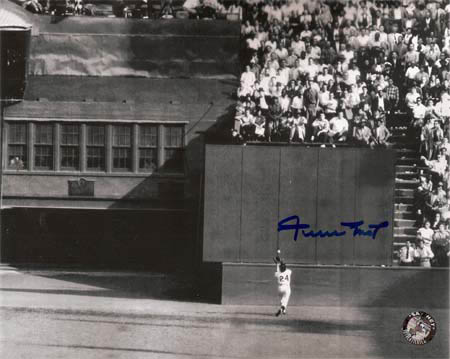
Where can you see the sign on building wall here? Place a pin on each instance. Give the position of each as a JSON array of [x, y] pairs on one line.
[[81, 187]]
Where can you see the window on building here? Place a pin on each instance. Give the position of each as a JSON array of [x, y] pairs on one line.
[[43, 146], [70, 147], [121, 147], [17, 145], [173, 148], [156, 146], [95, 147], [148, 148]]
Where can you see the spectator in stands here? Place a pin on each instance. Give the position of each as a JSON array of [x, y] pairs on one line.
[[442, 111], [311, 100], [321, 127], [411, 98], [441, 247], [437, 167], [338, 128], [422, 196], [260, 125], [57, 7], [297, 125], [445, 146], [362, 134], [392, 97], [191, 7], [235, 9], [412, 72], [248, 80], [425, 181], [248, 125], [330, 106], [274, 117], [364, 65], [201, 9], [426, 137], [423, 253], [426, 233], [381, 135], [167, 10], [438, 137], [436, 221], [33, 6], [406, 254], [439, 199], [78, 7]]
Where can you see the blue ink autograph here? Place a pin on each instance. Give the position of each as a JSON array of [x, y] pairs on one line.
[[293, 223]]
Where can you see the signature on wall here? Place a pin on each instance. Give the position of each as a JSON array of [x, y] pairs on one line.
[[292, 223]]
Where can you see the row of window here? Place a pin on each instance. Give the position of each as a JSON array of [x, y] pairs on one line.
[[94, 147]]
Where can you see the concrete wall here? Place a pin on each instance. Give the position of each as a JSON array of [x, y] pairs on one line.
[[340, 286], [114, 188]]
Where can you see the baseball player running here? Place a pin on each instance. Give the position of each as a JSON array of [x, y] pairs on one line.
[[283, 276]]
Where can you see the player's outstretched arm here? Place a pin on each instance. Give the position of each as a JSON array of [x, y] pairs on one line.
[[277, 260]]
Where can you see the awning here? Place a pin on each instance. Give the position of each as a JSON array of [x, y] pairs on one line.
[[103, 112]]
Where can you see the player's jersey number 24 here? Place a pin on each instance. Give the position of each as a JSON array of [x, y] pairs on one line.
[[284, 278]]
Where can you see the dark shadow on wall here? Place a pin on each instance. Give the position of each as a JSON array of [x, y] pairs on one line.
[[220, 131], [156, 227], [177, 232], [157, 224]]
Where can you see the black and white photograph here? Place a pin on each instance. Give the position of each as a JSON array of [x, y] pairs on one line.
[[224, 179]]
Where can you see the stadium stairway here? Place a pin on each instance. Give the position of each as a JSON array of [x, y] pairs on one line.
[[406, 181]]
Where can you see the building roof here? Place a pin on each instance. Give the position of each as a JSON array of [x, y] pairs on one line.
[[122, 99], [104, 112], [138, 90]]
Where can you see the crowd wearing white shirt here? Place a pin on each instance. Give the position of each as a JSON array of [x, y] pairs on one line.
[[361, 62]]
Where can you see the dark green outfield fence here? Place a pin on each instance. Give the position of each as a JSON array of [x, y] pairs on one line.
[[249, 189]]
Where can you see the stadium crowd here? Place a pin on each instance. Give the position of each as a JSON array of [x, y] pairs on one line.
[[343, 72], [432, 208], [164, 9], [336, 72]]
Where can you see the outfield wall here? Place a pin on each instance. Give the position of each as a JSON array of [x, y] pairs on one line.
[[338, 286], [249, 189]]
